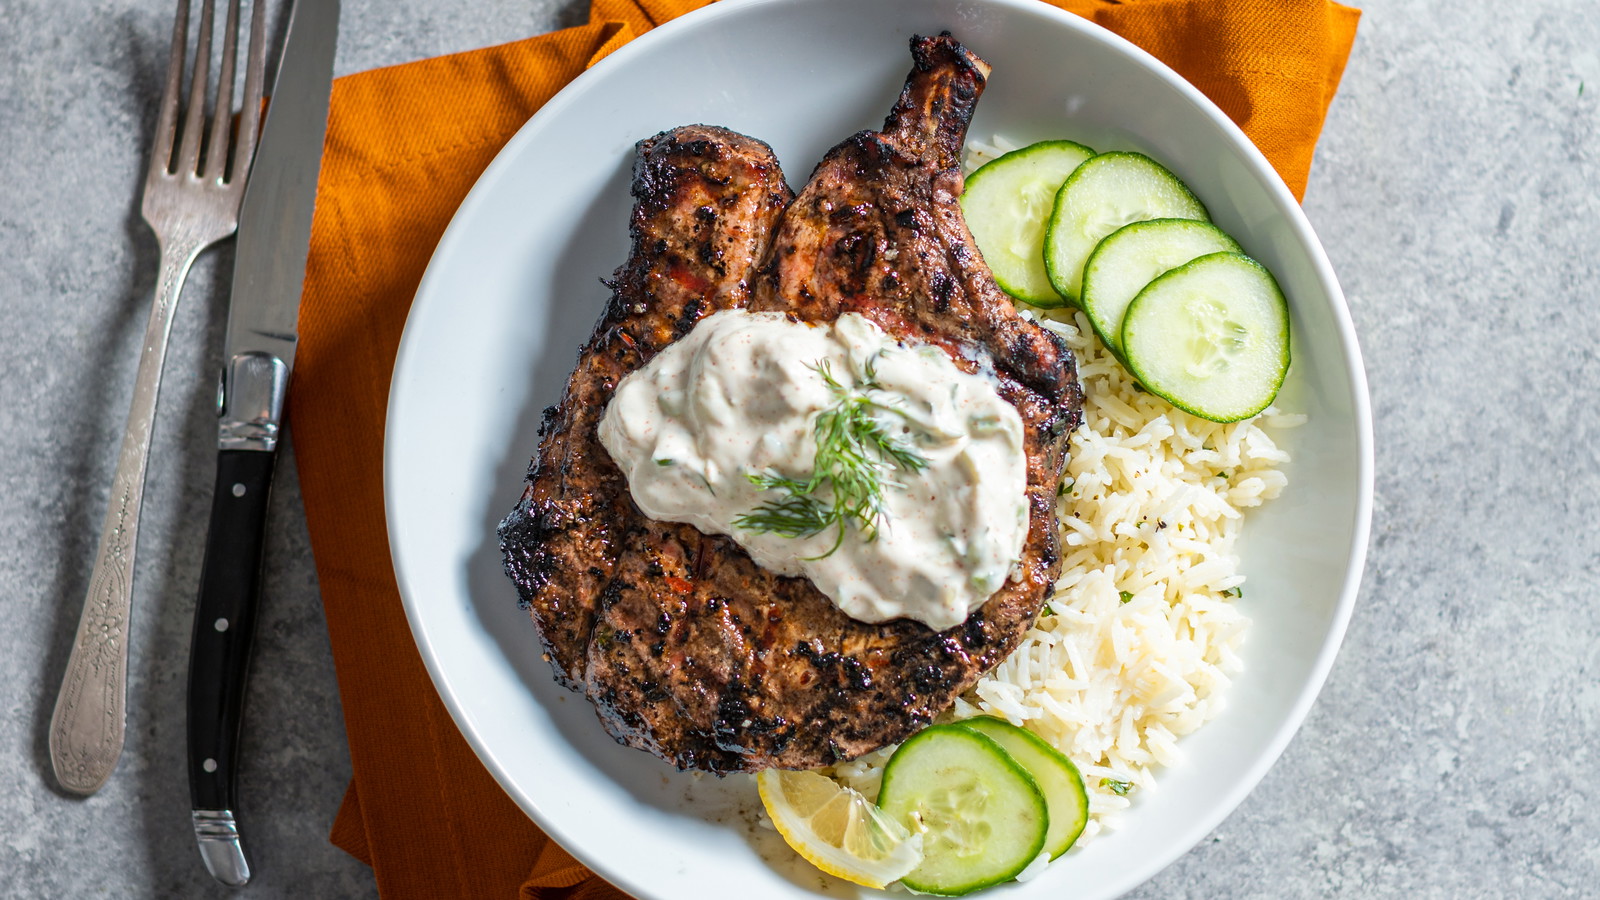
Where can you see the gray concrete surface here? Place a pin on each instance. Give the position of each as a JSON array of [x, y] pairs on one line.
[[1450, 755]]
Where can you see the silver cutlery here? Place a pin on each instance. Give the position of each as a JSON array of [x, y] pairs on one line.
[[192, 193], [269, 266]]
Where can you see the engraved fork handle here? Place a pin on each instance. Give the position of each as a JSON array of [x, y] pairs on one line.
[[86, 729]]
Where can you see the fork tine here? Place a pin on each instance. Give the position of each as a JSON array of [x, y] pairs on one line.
[[222, 110], [167, 119], [255, 76], [189, 153]]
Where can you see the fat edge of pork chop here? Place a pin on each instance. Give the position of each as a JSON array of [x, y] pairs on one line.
[[709, 661], [705, 202]]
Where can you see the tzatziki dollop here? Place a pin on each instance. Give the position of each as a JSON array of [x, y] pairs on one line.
[[722, 426]]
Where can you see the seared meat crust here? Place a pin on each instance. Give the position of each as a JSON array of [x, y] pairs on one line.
[[705, 202], [693, 652]]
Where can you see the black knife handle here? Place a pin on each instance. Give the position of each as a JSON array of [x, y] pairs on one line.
[[224, 622]]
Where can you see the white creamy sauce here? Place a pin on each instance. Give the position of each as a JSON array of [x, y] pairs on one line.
[[740, 395]]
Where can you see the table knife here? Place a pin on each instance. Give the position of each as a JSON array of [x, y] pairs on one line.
[[269, 267]]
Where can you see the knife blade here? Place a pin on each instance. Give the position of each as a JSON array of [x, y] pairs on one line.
[[258, 357]]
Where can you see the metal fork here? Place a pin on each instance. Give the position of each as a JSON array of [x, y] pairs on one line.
[[191, 201]]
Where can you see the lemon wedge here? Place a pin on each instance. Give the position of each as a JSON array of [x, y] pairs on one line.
[[835, 829]]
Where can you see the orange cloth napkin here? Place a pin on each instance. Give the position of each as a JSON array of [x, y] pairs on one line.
[[404, 146]]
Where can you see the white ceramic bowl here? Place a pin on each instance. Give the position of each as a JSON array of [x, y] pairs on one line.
[[514, 288]]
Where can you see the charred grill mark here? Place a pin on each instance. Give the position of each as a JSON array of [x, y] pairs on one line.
[[547, 420], [845, 671], [711, 258], [855, 252], [927, 678], [610, 594], [940, 288], [1024, 353], [974, 636], [686, 321]]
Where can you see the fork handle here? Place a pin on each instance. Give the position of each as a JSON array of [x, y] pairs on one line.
[[87, 726]]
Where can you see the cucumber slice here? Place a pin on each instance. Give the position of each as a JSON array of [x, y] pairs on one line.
[[1131, 257], [1006, 203], [1057, 777], [1102, 195], [981, 814], [1211, 337]]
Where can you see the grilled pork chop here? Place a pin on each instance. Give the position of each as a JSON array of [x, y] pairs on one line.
[[687, 648], [705, 203]]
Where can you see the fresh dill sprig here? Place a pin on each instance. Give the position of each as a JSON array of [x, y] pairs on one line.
[[856, 458], [792, 516]]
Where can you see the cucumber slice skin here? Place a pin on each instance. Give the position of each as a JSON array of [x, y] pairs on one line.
[[1057, 777], [1151, 333], [1091, 204], [948, 758], [1135, 255], [1006, 204]]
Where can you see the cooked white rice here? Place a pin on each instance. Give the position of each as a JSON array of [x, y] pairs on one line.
[[980, 152], [1136, 646]]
